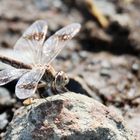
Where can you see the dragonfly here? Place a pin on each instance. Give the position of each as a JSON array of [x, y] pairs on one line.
[[40, 51]]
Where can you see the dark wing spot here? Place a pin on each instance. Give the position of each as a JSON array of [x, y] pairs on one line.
[[28, 86], [4, 79], [64, 37], [35, 36]]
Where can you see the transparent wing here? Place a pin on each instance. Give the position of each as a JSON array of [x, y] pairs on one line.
[[27, 84], [9, 75], [54, 44], [31, 41]]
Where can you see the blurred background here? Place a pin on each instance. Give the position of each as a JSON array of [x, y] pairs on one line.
[[102, 61]]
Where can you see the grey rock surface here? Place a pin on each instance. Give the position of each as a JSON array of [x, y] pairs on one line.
[[5, 97], [3, 120], [67, 116]]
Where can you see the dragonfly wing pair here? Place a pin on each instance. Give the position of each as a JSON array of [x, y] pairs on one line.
[[31, 42], [9, 75], [27, 84], [54, 44]]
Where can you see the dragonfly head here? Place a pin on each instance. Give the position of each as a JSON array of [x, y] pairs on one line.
[[61, 79]]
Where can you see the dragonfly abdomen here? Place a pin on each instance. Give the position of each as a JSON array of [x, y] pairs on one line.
[[14, 63]]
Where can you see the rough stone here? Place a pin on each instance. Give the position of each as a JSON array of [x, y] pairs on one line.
[[5, 97], [3, 120], [68, 116]]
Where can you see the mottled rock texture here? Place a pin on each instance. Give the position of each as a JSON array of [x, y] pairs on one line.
[[68, 116]]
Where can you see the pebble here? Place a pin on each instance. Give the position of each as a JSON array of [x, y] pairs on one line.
[[5, 98], [3, 120]]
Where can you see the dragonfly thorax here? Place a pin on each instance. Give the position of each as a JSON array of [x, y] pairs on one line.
[[59, 79], [49, 75]]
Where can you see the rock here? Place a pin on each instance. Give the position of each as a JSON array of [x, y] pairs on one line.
[[3, 121], [132, 116], [5, 98], [68, 116]]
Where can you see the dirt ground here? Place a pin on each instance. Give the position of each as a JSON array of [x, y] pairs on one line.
[[102, 61]]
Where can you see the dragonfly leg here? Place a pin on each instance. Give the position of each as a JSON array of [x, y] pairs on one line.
[[59, 89], [42, 84], [54, 88]]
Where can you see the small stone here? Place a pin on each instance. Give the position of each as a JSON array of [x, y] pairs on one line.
[[83, 54], [135, 67], [105, 72], [106, 64], [5, 98], [3, 121]]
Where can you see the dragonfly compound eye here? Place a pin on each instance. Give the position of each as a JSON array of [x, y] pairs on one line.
[[66, 79], [61, 79]]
